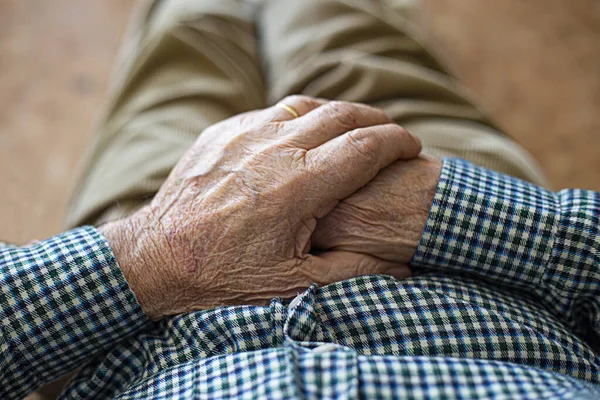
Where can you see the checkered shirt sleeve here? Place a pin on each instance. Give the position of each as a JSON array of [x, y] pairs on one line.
[[62, 301], [520, 236]]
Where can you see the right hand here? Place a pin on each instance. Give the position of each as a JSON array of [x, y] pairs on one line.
[[233, 222], [387, 217]]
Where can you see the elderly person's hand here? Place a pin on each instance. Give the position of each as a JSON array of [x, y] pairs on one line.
[[233, 222], [385, 218]]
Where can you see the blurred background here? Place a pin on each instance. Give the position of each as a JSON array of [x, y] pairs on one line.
[[534, 65]]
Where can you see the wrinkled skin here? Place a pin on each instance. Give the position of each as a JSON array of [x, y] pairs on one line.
[[233, 222], [385, 218]]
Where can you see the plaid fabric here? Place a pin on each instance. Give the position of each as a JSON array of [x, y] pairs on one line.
[[504, 291], [62, 301], [519, 236], [267, 375]]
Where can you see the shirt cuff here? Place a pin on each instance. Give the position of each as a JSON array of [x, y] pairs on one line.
[[490, 225], [62, 301]]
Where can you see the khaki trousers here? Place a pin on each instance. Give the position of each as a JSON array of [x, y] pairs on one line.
[[188, 64]]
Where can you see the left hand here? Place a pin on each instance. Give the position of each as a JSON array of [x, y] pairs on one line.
[[385, 218]]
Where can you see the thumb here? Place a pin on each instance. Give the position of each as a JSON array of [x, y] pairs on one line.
[[335, 266]]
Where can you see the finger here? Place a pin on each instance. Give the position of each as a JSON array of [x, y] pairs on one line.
[[347, 235], [331, 120], [335, 266], [286, 109], [350, 161]]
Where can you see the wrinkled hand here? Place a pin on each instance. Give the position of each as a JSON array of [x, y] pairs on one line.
[[386, 218], [233, 222]]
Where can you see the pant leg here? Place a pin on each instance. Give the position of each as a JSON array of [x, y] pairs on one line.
[[185, 65], [369, 51]]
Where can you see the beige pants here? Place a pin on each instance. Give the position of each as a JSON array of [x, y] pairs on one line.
[[190, 63]]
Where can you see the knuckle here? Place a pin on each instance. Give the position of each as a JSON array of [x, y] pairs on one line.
[[276, 128], [301, 101], [409, 144], [296, 98], [367, 145], [298, 159], [401, 132], [343, 113]]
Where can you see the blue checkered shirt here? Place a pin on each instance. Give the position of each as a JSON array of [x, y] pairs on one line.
[[503, 304]]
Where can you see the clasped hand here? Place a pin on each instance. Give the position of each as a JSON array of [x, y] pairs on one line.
[[234, 222]]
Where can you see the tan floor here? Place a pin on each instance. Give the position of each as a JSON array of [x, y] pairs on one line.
[[55, 58], [534, 64]]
